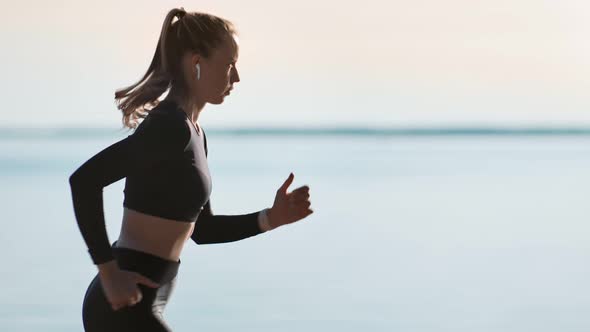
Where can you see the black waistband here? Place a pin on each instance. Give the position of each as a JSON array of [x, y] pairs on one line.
[[155, 268]]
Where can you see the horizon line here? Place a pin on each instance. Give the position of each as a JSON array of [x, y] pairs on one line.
[[81, 132]]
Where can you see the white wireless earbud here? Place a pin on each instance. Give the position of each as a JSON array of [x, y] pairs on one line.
[[198, 71]]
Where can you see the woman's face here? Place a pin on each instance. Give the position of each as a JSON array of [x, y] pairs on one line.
[[218, 73]]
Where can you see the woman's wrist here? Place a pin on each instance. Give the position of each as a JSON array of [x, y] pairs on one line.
[[264, 220]]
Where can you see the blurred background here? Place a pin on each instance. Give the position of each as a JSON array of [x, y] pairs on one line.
[[446, 145]]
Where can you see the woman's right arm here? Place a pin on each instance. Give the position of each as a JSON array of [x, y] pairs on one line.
[[156, 139], [152, 142], [87, 183]]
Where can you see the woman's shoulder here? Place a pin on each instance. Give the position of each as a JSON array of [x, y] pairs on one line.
[[168, 111], [165, 122]]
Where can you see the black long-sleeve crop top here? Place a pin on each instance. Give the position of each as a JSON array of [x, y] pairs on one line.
[[165, 165]]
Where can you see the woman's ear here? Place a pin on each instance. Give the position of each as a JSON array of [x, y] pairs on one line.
[[195, 58]]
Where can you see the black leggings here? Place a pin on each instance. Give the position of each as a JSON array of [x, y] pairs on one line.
[[146, 315]]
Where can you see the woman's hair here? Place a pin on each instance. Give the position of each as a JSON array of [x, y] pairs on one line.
[[192, 31]]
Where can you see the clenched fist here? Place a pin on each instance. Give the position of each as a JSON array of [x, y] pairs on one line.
[[289, 207]]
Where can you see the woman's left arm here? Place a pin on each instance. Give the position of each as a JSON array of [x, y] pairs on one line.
[[287, 208], [210, 228]]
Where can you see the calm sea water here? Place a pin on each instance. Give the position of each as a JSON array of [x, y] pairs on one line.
[[410, 233]]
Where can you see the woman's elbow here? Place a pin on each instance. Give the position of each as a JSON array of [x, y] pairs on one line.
[[80, 182], [198, 239], [196, 236], [75, 179]]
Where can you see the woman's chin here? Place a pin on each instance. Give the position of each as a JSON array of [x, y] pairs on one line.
[[218, 100]]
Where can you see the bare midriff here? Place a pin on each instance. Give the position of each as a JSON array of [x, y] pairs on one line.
[[158, 236]]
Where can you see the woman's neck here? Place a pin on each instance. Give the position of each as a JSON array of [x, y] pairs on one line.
[[190, 106]]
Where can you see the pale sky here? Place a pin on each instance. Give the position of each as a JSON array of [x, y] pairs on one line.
[[313, 63]]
